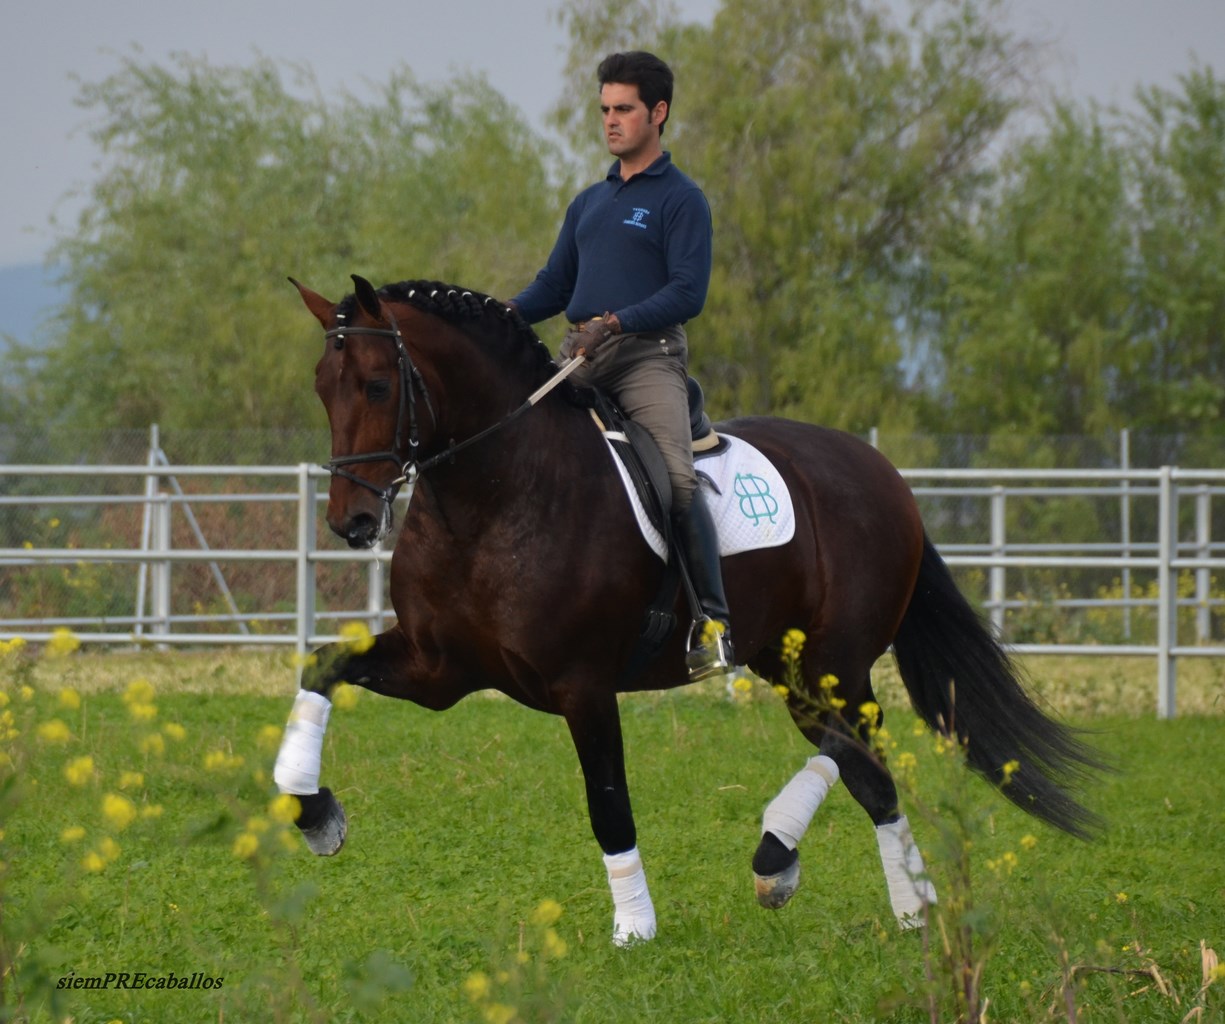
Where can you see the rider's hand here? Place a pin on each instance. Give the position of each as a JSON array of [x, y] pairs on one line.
[[593, 334]]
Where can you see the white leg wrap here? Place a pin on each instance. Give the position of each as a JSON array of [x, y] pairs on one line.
[[297, 762], [633, 912], [910, 890], [790, 813]]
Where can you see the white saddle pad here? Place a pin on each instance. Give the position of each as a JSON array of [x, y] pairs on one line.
[[747, 497]]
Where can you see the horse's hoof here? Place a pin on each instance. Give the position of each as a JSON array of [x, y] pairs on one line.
[[776, 871], [773, 891], [323, 823]]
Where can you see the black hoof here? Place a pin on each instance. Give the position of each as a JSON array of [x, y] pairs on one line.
[[322, 822], [776, 872]]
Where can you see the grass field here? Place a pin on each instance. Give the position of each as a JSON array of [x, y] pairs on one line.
[[164, 855]]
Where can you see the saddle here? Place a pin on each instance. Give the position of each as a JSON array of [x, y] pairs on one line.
[[649, 475]]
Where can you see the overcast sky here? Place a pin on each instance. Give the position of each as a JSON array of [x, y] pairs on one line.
[[1100, 49]]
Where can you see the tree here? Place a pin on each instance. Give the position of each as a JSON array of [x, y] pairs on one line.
[[1088, 292], [1032, 299], [1175, 364], [220, 182]]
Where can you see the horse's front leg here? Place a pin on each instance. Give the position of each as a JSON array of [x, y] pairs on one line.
[[298, 763], [595, 726]]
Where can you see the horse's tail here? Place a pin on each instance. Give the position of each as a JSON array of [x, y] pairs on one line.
[[962, 682]]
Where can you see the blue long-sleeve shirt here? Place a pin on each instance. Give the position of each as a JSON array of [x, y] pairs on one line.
[[639, 248]]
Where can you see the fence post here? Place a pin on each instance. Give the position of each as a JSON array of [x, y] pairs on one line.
[[1125, 527], [305, 602], [999, 548], [146, 529], [162, 544], [1167, 593], [374, 597], [1203, 576]]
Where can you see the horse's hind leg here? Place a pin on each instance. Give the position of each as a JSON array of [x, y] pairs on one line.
[[844, 753], [868, 780]]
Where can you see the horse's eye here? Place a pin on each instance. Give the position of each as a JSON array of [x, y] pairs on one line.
[[377, 390]]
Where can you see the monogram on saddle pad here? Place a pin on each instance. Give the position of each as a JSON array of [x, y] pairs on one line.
[[748, 498]]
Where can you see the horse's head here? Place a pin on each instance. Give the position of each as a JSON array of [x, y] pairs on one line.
[[364, 380]]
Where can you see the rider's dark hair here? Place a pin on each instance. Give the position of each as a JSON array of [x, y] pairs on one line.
[[637, 67]]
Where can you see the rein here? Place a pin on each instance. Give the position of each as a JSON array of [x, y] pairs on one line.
[[410, 381]]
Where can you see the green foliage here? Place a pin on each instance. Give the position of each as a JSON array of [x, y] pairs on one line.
[[885, 254], [1087, 293], [469, 844], [218, 182]]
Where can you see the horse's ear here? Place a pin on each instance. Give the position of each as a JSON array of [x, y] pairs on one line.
[[367, 297], [316, 303]]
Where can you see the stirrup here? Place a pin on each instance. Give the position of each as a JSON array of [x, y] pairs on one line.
[[712, 656]]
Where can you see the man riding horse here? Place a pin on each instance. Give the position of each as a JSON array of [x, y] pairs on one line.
[[630, 266]]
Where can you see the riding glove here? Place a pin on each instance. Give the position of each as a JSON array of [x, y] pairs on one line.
[[590, 336]]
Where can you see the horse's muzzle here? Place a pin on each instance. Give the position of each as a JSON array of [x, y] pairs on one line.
[[360, 531]]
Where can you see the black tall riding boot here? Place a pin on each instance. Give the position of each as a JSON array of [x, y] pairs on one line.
[[711, 654]]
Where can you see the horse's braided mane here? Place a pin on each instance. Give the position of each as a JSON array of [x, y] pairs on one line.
[[465, 308]]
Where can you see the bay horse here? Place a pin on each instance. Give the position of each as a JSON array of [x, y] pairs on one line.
[[519, 568]]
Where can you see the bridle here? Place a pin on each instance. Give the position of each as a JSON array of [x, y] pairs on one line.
[[411, 381]]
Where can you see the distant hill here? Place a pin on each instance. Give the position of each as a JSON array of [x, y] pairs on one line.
[[27, 295]]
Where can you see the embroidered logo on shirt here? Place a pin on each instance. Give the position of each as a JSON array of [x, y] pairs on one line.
[[636, 221]]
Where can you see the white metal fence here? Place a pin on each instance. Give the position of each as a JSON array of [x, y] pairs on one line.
[[1149, 512]]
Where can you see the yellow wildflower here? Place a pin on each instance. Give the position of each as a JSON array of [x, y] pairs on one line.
[[1120, 897], [79, 771], [906, 761], [118, 810], [222, 762], [27, 693], [1028, 842], [1008, 770], [344, 697], [139, 691], [246, 845], [284, 809], [828, 682], [151, 811], [269, 737], [93, 862], [69, 699], [554, 944], [72, 834], [63, 642], [356, 637], [11, 647], [131, 780], [498, 1013], [109, 849], [174, 731], [782, 691], [54, 731], [476, 986], [142, 712], [869, 713], [153, 744], [547, 912], [793, 644], [742, 685]]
